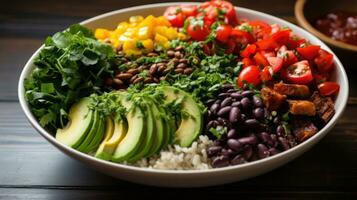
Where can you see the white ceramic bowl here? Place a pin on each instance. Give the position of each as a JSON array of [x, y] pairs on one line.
[[189, 178]]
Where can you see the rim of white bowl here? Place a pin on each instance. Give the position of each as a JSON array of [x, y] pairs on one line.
[[343, 93]]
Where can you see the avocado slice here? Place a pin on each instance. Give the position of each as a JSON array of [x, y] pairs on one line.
[[115, 132], [135, 134], [147, 141], [76, 130], [190, 125], [98, 136], [85, 145], [159, 127]]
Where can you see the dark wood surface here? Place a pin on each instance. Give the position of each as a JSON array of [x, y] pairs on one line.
[[30, 168]]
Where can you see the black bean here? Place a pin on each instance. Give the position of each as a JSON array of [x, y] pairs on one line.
[[273, 151], [224, 111], [234, 115], [276, 120], [233, 133], [230, 90], [209, 102], [234, 144], [211, 124], [247, 152], [227, 152], [280, 130], [214, 108], [218, 101], [213, 150], [237, 95], [236, 104], [223, 95], [262, 151], [274, 140], [245, 103], [238, 159], [258, 113], [226, 102], [284, 143], [243, 117], [217, 143], [252, 123], [248, 140], [264, 137], [220, 161], [258, 102], [209, 114], [221, 121], [226, 87], [247, 93]]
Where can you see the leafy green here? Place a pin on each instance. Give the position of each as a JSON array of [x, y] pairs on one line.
[[72, 65], [108, 104], [218, 131]]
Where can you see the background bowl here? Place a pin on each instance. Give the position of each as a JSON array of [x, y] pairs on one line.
[[188, 178], [307, 11]]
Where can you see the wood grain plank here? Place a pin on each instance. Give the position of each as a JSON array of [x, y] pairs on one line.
[[24, 154], [40, 18], [159, 193]]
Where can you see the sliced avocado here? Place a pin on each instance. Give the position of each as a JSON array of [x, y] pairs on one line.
[[147, 141], [98, 136], [85, 145], [136, 132], [190, 125], [81, 120], [159, 127], [115, 132], [109, 129]]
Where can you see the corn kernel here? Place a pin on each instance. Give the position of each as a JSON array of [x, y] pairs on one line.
[[162, 21], [160, 39], [136, 19], [145, 32], [121, 28], [101, 33], [148, 45]]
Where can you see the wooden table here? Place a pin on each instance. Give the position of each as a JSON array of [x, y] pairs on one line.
[[30, 168]]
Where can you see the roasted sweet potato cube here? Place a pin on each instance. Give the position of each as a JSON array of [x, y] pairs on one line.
[[272, 99], [302, 107], [292, 90]]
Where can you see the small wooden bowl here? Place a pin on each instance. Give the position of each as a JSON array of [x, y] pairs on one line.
[[306, 12]]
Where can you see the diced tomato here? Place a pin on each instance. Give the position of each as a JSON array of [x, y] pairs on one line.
[[242, 36], [309, 52], [197, 30], [328, 88], [276, 63], [248, 51], [267, 44], [274, 28], [320, 78], [175, 16], [266, 28], [218, 8], [260, 60], [268, 54], [288, 56], [247, 62], [249, 75], [230, 46], [295, 42], [281, 37], [189, 10], [223, 33], [324, 61], [298, 73], [266, 74]]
